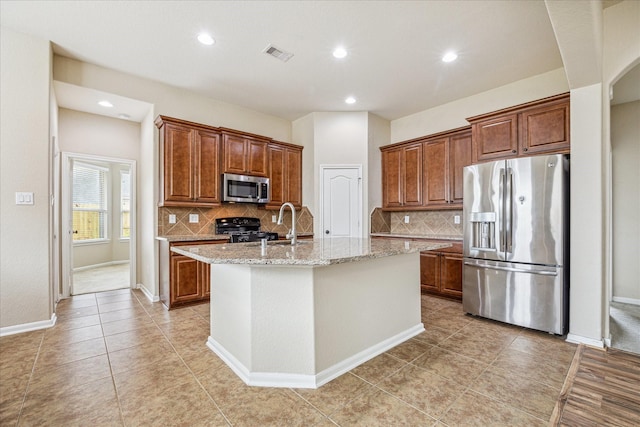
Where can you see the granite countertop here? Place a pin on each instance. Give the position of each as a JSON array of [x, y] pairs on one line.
[[419, 236], [315, 252], [194, 238], [200, 237]]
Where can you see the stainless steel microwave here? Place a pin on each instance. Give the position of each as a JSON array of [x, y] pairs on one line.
[[245, 188]]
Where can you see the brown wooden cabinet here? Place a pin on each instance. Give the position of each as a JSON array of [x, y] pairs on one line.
[[189, 164], [285, 175], [444, 159], [402, 176], [183, 280], [441, 271], [537, 127], [244, 155], [426, 173]]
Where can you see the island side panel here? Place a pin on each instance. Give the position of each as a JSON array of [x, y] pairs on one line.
[[230, 307], [359, 306], [282, 321]]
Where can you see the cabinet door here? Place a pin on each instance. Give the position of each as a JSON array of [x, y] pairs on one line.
[[207, 178], [184, 279], [293, 183], [277, 166], [178, 164], [411, 171], [234, 154], [392, 178], [545, 129], [257, 157], [451, 274], [495, 138], [430, 271], [459, 157], [436, 166], [204, 278]]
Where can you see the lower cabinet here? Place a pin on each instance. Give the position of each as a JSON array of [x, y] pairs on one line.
[[183, 280], [441, 271]]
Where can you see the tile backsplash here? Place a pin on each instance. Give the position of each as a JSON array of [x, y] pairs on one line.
[[207, 219], [420, 222]]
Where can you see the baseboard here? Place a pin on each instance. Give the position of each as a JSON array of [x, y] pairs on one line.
[[279, 379], [624, 300], [577, 339], [104, 264], [27, 327], [149, 295]]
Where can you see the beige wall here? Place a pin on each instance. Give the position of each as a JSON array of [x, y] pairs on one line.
[[454, 114], [96, 135], [625, 145], [25, 291], [379, 135]]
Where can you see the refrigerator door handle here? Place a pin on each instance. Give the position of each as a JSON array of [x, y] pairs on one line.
[[513, 269], [501, 211], [508, 210]]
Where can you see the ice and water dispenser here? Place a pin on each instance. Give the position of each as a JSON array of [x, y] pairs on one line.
[[483, 227]]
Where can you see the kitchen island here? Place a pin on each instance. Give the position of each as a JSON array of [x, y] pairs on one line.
[[299, 316]]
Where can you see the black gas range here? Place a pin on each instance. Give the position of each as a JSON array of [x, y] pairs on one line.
[[243, 229]]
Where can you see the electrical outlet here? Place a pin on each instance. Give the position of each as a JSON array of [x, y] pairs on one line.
[[406, 219], [274, 218], [456, 219], [172, 219], [194, 218]]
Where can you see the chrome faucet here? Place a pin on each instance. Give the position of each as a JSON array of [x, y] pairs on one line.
[[292, 232]]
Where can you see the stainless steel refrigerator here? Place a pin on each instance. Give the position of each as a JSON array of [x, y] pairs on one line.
[[516, 235]]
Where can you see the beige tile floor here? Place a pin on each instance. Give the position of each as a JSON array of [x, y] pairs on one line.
[[114, 358]]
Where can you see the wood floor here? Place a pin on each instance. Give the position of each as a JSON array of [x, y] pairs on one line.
[[602, 389]]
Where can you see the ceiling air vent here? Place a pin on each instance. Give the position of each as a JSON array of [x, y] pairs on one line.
[[277, 53]]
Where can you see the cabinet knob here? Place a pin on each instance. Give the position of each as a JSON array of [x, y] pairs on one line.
[[513, 151], [326, 231], [526, 149]]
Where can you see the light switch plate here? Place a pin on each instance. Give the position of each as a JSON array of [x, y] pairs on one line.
[[274, 218], [24, 198], [172, 219], [406, 219], [193, 218], [456, 219]]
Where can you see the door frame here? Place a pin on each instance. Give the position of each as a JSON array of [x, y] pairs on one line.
[[66, 186], [326, 167]]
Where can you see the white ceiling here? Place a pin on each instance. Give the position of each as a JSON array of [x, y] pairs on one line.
[[393, 67]]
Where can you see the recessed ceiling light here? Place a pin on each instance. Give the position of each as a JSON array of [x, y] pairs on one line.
[[124, 116], [105, 103], [350, 100], [340, 52], [206, 39], [449, 57]]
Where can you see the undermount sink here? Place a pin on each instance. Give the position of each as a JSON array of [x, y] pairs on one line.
[[280, 243]]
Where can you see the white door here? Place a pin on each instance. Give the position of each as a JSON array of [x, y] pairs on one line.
[[341, 202]]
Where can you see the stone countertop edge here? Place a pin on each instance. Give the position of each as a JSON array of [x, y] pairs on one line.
[[419, 236], [308, 253]]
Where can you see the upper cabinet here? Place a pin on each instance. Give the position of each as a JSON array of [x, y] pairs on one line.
[[425, 173], [445, 157], [537, 127], [194, 157], [244, 155], [402, 176], [285, 174], [189, 163]]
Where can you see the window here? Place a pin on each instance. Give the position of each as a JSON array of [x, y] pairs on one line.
[[125, 204], [89, 202]]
